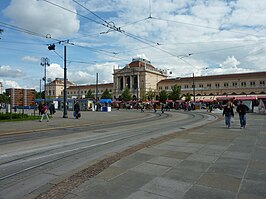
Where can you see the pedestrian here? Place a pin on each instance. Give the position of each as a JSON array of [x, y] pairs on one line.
[[44, 112], [228, 112], [242, 110], [76, 110], [154, 108], [40, 108]]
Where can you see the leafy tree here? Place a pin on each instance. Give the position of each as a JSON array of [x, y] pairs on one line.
[[126, 95], [38, 95], [163, 95], [175, 94], [89, 94], [4, 98], [106, 95], [150, 94], [187, 97]]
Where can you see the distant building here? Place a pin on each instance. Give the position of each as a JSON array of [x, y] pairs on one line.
[[207, 87], [55, 88], [80, 91], [21, 97], [139, 76]]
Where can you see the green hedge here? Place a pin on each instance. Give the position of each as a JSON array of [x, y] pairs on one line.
[[16, 116]]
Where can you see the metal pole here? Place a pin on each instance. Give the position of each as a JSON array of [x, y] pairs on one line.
[[45, 62], [97, 86], [65, 85], [193, 88]]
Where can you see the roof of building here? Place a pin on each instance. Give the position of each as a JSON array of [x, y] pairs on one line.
[[90, 86], [218, 77]]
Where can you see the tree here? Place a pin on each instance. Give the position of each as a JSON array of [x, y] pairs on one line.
[[89, 94], [150, 94], [106, 95], [4, 98], [175, 94], [38, 95], [126, 95], [163, 95], [187, 97]]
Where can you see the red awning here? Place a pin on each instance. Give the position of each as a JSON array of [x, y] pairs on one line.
[[262, 97], [246, 98], [207, 100], [180, 101], [169, 100], [224, 98]]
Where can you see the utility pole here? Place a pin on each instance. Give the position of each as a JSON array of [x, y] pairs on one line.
[[44, 62], [193, 85], [97, 80], [65, 85]]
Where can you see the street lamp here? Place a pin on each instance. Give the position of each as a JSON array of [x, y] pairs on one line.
[[44, 62], [193, 86]]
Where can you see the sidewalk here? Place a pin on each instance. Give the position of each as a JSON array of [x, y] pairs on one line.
[[209, 162]]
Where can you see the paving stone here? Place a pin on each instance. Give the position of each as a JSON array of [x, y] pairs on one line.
[[151, 169], [219, 181], [203, 158], [249, 196], [215, 150], [165, 161], [255, 164], [259, 154], [238, 155], [177, 155], [252, 187], [144, 195], [202, 192], [256, 174], [183, 174], [193, 165], [167, 187], [110, 172], [133, 160], [229, 166], [152, 151], [237, 148]]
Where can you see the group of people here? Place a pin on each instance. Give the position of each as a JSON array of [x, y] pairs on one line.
[[241, 109]]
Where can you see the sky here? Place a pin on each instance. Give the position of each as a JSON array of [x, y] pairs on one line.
[[204, 37]]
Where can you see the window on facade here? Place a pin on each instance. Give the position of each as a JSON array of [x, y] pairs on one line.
[[252, 83], [81, 92], [71, 93], [234, 84], [262, 82], [186, 86], [201, 85], [166, 88], [225, 84], [85, 92], [110, 90], [160, 88], [243, 84], [217, 85], [209, 85]]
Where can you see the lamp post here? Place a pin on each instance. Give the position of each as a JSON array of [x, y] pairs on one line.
[[65, 85], [193, 86], [44, 62]]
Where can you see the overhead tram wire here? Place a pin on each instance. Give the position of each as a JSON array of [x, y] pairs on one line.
[[208, 27]]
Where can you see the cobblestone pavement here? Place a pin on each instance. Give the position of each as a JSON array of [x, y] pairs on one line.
[[210, 162]]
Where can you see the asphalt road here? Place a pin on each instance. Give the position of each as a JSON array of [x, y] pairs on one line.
[[31, 161]]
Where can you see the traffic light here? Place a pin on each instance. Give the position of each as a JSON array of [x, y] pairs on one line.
[[51, 47]]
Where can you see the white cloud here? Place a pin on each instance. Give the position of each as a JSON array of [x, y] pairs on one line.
[[44, 18], [54, 71], [7, 71], [11, 84], [30, 59], [230, 62]]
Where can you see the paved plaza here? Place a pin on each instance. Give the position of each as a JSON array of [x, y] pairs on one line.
[[208, 162]]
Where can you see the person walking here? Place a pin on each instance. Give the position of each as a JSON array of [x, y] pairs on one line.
[[44, 112], [228, 112], [76, 110], [242, 110]]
